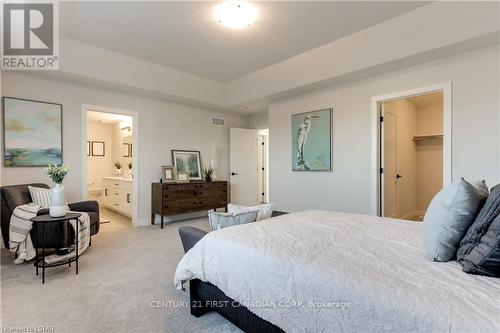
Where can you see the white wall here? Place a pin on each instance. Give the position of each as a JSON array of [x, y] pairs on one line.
[[475, 138], [162, 126], [430, 119], [99, 166], [258, 121]]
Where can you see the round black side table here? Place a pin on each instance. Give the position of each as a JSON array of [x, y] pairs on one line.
[[41, 220]]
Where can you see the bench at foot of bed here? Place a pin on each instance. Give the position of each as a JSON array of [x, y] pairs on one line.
[[206, 297]]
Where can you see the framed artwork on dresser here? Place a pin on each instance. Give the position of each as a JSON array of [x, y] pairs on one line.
[[183, 177], [168, 174], [188, 161]]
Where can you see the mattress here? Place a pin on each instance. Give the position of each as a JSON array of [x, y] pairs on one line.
[[317, 271]]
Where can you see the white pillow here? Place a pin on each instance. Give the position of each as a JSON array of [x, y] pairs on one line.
[[222, 220], [40, 196], [265, 210], [448, 217]]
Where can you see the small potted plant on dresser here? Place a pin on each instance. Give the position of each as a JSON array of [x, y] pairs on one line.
[[209, 173]]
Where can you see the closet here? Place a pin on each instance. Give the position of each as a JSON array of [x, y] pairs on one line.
[[412, 154]]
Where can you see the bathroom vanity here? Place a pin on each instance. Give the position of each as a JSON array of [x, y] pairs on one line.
[[117, 194]]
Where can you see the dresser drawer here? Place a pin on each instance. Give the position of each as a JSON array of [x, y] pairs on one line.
[[186, 206], [194, 194]]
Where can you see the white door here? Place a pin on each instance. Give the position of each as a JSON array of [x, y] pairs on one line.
[[262, 168], [390, 165], [243, 166]]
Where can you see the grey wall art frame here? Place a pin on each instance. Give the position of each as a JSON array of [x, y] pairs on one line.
[[188, 161], [32, 133], [312, 140], [168, 174]]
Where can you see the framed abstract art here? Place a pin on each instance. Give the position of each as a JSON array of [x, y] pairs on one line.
[[188, 161], [32, 133]]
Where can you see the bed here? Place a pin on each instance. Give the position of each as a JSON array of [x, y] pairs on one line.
[[317, 271]]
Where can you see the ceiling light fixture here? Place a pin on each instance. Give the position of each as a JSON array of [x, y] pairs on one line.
[[236, 14]]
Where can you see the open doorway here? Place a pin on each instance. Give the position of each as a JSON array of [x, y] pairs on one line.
[[412, 154], [414, 150], [248, 159], [110, 168]]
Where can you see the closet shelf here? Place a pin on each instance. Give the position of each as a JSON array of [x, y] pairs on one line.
[[427, 136]]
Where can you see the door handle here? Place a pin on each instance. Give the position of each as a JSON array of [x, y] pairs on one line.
[[234, 174], [398, 176]]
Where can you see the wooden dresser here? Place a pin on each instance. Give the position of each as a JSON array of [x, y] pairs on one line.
[[171, 199]]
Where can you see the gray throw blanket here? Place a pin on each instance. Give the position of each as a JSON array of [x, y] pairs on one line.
[[20, 240]]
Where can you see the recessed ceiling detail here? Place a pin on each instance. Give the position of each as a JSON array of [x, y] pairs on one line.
[[184, 35]]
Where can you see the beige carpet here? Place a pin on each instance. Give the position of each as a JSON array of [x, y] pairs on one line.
[[124, 272]]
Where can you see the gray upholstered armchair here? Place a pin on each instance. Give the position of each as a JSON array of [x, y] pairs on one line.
[[55, 234]]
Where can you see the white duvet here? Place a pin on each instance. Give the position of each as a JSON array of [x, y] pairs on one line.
[[318, 271]]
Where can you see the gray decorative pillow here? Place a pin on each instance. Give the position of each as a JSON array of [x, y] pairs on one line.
[[448, 217], [478, 229], [222, 220], [484, 258]]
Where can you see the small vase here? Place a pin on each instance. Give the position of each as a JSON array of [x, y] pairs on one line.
[[118, 172], [57, 202], [208, 178]]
